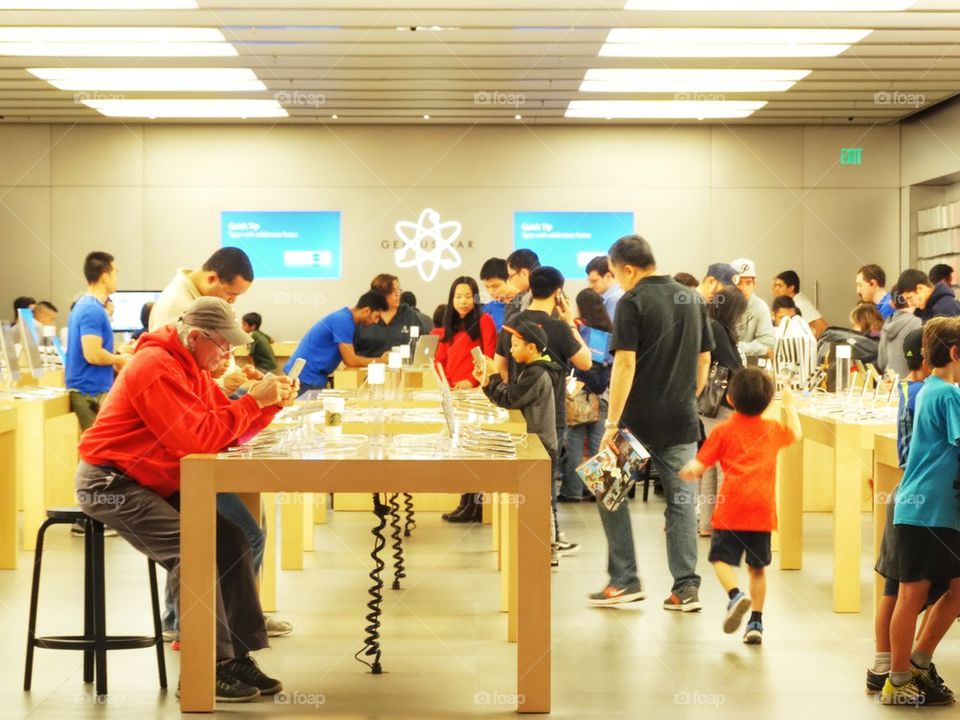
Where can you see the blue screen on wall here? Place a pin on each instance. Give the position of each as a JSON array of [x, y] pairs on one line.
[[568, 240], [286, 244]]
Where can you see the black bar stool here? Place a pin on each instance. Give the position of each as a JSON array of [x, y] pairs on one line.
[[94, 642]]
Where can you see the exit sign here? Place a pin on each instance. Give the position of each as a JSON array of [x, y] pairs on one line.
[[851, 156]]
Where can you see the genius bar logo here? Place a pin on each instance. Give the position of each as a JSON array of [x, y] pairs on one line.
[[428, 244]]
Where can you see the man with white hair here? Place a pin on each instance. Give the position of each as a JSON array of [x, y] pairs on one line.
[[755, 328]]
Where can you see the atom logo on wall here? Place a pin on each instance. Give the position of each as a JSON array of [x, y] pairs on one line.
[[428, 244]]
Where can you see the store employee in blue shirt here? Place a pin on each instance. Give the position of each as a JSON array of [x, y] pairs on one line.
[[331, 340], [870, 288], [91, 363], [601, 280]]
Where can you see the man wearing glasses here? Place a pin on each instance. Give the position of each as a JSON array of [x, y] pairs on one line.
[[164, 406]]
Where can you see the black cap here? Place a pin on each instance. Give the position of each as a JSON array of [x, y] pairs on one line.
[[913, 348], [529, 332]]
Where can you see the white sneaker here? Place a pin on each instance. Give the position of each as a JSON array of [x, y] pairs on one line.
[[276, 628]]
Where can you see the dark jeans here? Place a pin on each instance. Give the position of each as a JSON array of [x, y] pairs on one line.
[[152, 525]]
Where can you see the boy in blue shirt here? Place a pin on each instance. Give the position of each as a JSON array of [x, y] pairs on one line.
[[331, 340], [927, 525]]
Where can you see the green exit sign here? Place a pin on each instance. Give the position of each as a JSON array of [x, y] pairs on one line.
[[851, 156]]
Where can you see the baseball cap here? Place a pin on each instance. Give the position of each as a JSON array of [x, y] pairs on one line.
[[727, 274], [212, 313], [529, 332], [745, 267], [913, 348]]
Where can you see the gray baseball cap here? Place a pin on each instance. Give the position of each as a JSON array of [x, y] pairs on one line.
[[212, 313]]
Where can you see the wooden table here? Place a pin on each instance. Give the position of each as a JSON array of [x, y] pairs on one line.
[[528, 476], [847, 440], [886, 476], [8, 488]]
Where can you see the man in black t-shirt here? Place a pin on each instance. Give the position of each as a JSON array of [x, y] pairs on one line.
[[661, 344]]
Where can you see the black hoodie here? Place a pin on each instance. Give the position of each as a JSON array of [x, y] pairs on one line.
[[942, 303]]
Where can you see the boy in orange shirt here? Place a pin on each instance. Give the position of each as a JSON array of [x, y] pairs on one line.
[[746, 447]]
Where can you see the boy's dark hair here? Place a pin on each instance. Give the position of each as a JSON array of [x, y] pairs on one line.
[[253, 319], [600, 265], [494, 269], [751, 390], [228, 262], [875, 273], [939, 335], [374, 300], [910, 279], [95, 265], [408, 298], [145, 314], [523, 259], [790, 279], [913, 349], [632, 250], [686, 279], [438, 315], [785, 302], [940, 272], [22, 303], [47, 305], [544, 282]]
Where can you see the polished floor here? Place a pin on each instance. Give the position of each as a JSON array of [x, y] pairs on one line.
[[443, 648]]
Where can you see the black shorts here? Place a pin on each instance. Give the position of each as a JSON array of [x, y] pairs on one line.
[[728, 546], [928, 553]]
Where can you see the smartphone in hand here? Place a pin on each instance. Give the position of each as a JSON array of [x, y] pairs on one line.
[[297, 368]]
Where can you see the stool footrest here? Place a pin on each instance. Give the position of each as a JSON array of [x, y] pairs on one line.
[[79, 642]]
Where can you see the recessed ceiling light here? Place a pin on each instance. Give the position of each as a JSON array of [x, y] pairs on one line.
[[98, 5], [151, 79], [771, 5], [334, 117], [187, 108], [662, 109], [671, 80], [518, 117], [729, 42], [426, 117]]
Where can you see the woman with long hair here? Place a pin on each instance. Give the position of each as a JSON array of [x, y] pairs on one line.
[[465, 327], [394, 325], [592, 314], [724, 311]]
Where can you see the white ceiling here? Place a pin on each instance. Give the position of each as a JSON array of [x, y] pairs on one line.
[[321, 58]]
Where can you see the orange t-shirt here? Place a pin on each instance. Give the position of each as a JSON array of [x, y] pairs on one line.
[[746, 448]]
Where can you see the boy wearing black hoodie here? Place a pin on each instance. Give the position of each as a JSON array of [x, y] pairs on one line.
[[532, 392]]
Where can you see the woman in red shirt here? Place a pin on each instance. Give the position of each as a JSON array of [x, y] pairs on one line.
[[464, 328]]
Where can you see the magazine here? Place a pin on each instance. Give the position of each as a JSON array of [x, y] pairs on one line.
[[611, 475]]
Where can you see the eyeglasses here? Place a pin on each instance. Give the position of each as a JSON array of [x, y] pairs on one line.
[[221, 348]]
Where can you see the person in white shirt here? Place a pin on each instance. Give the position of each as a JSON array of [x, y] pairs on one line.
[[755, 328], [603, 283], [788, 283]]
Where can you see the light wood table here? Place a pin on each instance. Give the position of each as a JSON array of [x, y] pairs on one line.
[[848, 440], [8, 488], [202, 476], [886, 476]]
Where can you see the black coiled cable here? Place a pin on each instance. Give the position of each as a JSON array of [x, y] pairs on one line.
[[398, 570], [410, 523], [371, 643]]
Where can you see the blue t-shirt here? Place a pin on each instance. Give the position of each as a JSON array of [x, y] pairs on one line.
[[320, 347], [928, 494], [885, 308], [610, 299], [495, 309], [88, 317], [907, 392]]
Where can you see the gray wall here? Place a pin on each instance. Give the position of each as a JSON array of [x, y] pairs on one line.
[[152, 195]]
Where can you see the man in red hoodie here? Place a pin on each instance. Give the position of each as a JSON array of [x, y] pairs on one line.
[[164, 406]]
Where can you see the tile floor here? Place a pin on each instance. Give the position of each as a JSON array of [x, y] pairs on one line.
[[443, 648]]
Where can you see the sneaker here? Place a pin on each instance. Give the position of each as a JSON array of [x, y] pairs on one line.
[[554, 557], [613, 595], [247, 671], [875, 681], [753, 635], [687, 601], [169, 635], [77, 530], [276, 628], [931, 685], [736, 609], [909, 694], [567, 548], [230, 689]]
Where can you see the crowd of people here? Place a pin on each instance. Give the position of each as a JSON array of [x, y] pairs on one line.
[[634, 350]]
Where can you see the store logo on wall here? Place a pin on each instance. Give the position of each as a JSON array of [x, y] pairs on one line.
[[428, 244]]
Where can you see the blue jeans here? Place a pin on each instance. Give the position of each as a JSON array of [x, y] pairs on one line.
[[231, 507], [681, 519], [572, 486]]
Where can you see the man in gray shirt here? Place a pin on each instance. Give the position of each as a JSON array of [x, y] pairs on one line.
[[755, 328]]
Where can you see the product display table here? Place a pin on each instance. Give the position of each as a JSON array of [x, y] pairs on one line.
[[8, 487], [526, 475]]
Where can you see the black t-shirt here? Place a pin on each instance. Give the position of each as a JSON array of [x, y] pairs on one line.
[[375, 340], [665, 324], [561, 346]]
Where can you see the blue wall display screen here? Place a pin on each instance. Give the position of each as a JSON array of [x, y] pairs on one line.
[[286, 244], [568, 240]]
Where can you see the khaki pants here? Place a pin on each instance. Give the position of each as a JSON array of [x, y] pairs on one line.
[[86, 407]]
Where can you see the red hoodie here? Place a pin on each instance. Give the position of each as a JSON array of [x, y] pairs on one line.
[[163, 407]]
